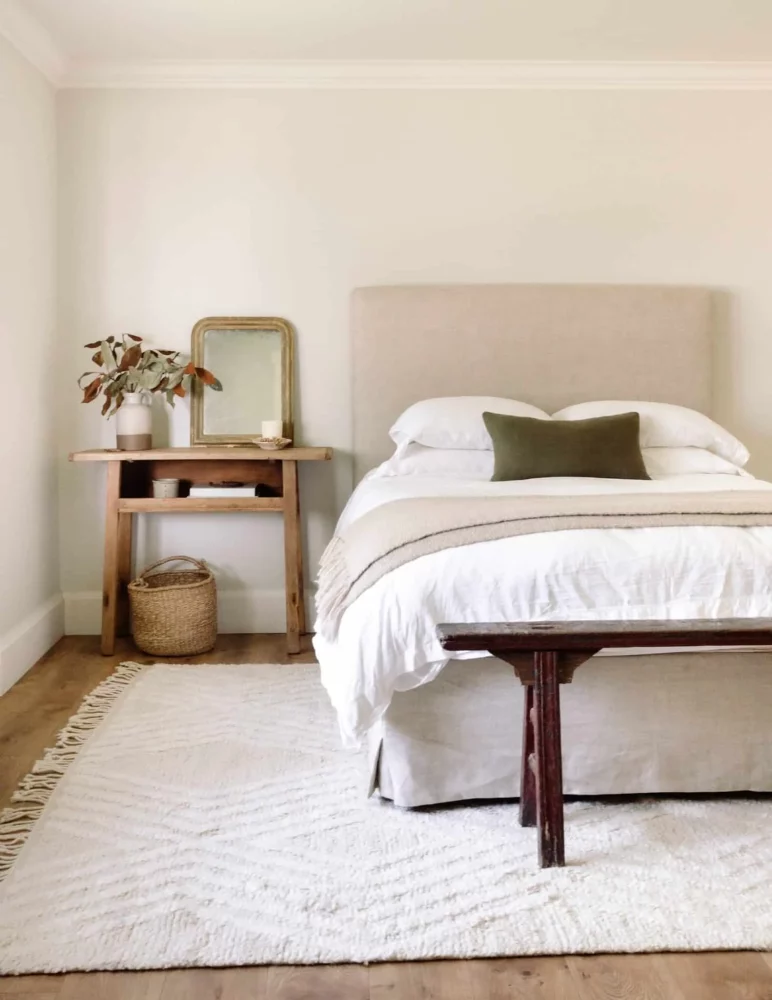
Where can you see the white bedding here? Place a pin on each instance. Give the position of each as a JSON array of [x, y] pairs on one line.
[[386, 641]]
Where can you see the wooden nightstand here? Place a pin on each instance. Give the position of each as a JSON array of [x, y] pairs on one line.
[[129, 491]]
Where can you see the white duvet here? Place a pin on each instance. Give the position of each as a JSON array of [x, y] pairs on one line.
[[386, 642]]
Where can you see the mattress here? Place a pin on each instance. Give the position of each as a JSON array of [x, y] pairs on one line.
[[678, 722]]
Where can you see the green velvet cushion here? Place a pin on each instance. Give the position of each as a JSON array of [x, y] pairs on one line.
[[601, 447]]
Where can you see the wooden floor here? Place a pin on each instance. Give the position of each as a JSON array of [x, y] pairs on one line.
[[38, 706]]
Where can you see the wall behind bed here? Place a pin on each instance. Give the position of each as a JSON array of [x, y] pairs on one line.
[[179, 204]]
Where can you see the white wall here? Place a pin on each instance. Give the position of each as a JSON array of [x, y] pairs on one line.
[[30, 601], [178, 205]]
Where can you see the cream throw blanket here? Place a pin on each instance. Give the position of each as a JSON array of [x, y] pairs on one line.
[[398, 532]]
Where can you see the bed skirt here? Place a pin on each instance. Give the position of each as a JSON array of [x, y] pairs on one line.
[[673, 722]]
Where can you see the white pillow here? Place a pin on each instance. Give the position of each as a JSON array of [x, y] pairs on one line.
[[444, 463], [455, 422], [663, 462], [665, 425]]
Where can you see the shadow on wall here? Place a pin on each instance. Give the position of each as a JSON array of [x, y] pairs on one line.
[[161, 426], [727, 396]]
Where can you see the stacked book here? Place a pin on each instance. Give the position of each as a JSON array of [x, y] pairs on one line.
[[225, 490]]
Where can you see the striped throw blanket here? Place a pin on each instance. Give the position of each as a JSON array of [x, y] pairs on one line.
[[398, 532]]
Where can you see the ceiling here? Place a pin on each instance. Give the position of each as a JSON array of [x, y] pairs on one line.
[[662, 30]]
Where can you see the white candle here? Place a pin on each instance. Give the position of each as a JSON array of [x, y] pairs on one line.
[[272, 428]]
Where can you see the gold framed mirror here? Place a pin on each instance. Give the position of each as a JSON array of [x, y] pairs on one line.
[[253, 359]]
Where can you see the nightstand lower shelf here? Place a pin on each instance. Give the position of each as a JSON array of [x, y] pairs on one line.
[[129, 485], [198, 505]]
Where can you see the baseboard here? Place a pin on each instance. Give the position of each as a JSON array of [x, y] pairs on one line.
[[237, 610], [23, 646]]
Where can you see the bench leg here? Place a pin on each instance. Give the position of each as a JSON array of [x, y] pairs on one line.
[[549, 760], [527, 773]]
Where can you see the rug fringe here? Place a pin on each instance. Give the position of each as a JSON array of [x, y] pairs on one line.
[[33, 792]]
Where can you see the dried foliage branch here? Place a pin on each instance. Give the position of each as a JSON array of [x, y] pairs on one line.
[[127, 367]]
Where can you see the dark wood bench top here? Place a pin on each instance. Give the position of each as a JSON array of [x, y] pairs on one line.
[[567, 635]]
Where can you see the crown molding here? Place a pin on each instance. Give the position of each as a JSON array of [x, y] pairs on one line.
[[32, 40], [421, 75]]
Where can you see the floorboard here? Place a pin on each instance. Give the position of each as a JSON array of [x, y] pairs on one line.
[[619, 977], [725, 975], [38, 706]]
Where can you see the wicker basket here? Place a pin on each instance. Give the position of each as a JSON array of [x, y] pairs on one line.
[[174, 613]]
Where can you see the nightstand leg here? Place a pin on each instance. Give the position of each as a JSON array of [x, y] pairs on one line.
[[293, 558], [125, 525], [112, 559]]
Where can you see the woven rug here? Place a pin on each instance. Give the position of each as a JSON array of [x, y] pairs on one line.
[[206, 816]]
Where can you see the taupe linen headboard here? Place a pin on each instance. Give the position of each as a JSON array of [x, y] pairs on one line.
[[550, 345]]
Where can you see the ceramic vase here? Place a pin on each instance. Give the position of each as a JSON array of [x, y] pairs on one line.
[[134, 423]]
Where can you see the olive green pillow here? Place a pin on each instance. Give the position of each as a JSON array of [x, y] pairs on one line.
[[601, 447]]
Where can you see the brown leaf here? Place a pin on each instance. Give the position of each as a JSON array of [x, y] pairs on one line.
[[111, 339], [92, 390], [178, 391], [131, 336], [168, 354], [106, 405], [97, 343], [98, 359], [161, 387], [206, 376], [130, 358], [189, 369]]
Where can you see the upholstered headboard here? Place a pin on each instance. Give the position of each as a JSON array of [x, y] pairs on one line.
[[550, 345]]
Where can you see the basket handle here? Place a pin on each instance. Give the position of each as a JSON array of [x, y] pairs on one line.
[[169, 559]]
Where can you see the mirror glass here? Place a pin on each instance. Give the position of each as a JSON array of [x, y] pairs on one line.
[[248, 363], [252, 358]]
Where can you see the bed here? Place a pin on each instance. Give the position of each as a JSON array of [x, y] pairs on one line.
[[442, 730]]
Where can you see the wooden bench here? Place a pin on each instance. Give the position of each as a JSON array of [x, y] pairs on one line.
[[544, 656]]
